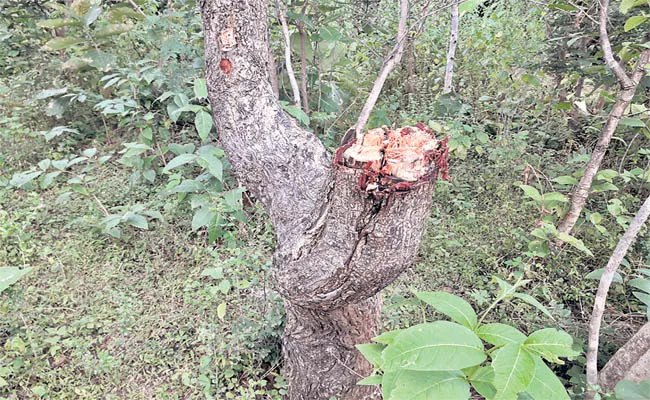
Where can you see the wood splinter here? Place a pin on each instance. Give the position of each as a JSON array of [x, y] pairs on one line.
[[396, 160]]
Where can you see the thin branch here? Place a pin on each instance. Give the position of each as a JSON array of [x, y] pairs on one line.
[[601, 295], [390, 62], [303, 60], [287, 53], [451, 56], [137, 8], [616, 68]]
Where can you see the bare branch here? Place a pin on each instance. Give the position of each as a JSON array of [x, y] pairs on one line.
[[303, 60], [287, 53], [603, 287], [137, 8], [616, 68], [453, 40], [390, 62]]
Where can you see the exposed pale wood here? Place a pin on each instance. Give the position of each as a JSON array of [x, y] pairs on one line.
[[287, 52], [451, 55]]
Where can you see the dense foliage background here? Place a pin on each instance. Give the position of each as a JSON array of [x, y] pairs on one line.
[[150, 263]]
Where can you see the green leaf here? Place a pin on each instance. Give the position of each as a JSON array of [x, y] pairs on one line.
[[11, 275], [437, 346], [531, 192], [215, 273], [482, 380], [551, 343], [297, 113], [92, 15], [421, 385], [545, 385], [371, 380], [137, 221], [597, 273], [641, 284], [221, 310], [469, 6], [202, 217], [212, 164], [633, 22], [514, 369], [387, 337], [452, 306], [533, 302], [577, 243], [45, 94], [372, 352], [225, 286], [21, 179], [200, 88], [203, 123], [628, 390], [500, 334], [565, 180], [554, 196], [61, 43], [178, 161]]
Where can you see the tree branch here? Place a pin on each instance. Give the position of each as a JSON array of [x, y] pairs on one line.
[[601, 295], [453, 40], [137, 8], [616, 68], [287, 53], [390, 62], [303, 60]]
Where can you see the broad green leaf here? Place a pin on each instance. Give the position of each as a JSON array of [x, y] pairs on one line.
[[200, 88], [387, 337], [202, 217], [425, 385], [645, 299], [500, 334], [633, 22], [641, 284], [297, 113], [215, 273], [627, 4], [555, 196], [371, 380], [372, 352], [469, 6], [21, 179], [598, 273], [44, 94], [628, 390], [531, 192], [203, 123], [545, 385], [437, 346], [49, 178], [551, 343], [565, 180], [225, 286], [212, 164], [61, 43], [533, 302], [221, 310], [452, 306], [514, 369], [178, 161], [644, 271], [92, 15], [137, 221], [482, 380], [11, 275], [577, 243]]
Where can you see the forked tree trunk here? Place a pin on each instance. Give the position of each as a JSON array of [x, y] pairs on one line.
[[337, 245], [628, 85]]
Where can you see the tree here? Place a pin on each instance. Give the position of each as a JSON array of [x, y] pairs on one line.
[[337, 245], [629, 84]]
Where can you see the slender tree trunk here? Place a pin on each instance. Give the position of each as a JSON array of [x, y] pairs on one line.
[[303, 61], [337, 245], [631, 362], [603, 287], [451, 56], [581, 193], [628, 85]]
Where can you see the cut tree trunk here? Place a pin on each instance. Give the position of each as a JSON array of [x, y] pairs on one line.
[[345, 229]]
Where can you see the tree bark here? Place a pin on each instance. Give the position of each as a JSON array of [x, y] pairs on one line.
[[628, 86], [631, 362], [451, 56], [338, 245]]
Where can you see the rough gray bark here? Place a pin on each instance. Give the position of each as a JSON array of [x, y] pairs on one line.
[[451, 55], [337, 246], [603, 287], [631, 362], [628, 85]]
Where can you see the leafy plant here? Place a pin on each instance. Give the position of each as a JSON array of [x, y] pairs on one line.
[[443, 359]]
